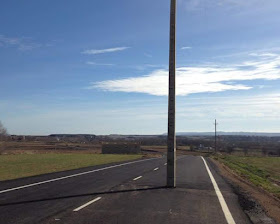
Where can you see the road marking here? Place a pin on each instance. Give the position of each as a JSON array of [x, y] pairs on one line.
[[156, 169], [87, 204], [70, 176], [165, 164], [137, 178], [222, 201]]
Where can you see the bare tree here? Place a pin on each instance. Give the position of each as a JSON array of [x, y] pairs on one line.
[[191, 148], [3, 130], [3, 135], [264, 151], [245, 150], [229, 149]]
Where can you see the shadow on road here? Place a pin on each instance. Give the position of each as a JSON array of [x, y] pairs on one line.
[[83, 195]]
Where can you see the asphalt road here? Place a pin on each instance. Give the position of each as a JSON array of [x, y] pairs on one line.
[[123, 193]]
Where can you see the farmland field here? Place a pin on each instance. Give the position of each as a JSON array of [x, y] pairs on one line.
[[24, 165], [261, 171]]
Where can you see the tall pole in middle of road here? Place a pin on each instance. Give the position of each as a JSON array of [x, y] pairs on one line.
[[171, 141]]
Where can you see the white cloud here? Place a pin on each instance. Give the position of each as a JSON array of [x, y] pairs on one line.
[[186, 48], [23, 44], [98, 64], [203, 5], [263, 54], [102, 51], [148, 66], [247, 107], [145, 116], [198, 79], [148, 55]]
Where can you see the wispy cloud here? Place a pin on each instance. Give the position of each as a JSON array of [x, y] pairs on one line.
[[103, 51], [198, 5], [148, 55], [198, 79], [247, 107], [186, 48], [22, 44], [234, 113], [263, 54], [98, 64], [148, 66]]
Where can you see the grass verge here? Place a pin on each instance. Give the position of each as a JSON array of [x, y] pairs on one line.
[[263, 172], [17, 166]]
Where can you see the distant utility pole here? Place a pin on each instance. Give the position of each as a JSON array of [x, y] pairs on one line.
[[216, 135], [171, 142]]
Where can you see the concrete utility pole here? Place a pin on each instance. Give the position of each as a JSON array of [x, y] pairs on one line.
[[171, 142], [216, 135]]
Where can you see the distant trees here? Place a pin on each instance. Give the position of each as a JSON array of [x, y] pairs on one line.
[[3, 135], [191, 148], [245, 150], [264, 151], [229, 149], [3, 131]]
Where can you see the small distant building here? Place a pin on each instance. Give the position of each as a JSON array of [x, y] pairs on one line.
[[201, 147]]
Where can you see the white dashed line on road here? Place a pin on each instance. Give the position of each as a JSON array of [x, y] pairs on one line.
[[87, 204], [137, 178], [156, 169], [165, 164], [222, 201]]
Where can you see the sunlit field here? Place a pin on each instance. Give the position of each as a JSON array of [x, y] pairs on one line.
[[18, 166]]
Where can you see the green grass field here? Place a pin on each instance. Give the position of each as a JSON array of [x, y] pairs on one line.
[[261, 171], [17, 166]]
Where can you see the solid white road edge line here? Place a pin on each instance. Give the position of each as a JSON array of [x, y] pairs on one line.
[[70, 176], [156, 169], [137, 178], [87, 204], [222, 201]]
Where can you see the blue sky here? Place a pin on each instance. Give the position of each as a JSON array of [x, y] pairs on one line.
[[101, 67]]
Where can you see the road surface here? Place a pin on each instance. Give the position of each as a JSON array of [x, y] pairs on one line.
[[124, 193]]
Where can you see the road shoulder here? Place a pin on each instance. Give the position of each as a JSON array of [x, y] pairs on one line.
[[258, 205]]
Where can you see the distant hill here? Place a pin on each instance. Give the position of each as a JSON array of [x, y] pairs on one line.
[[228, 133], [72, 135]]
